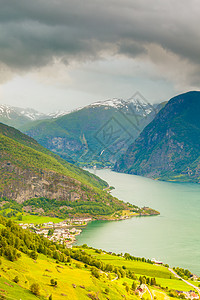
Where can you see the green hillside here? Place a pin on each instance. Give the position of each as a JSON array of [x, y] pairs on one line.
[[67, 168], [32, 175], [32, 267], [94, 135], [168, 148]]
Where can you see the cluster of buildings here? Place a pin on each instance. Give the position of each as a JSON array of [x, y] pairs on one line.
[[63, 232], [189, 295], [61, 235]]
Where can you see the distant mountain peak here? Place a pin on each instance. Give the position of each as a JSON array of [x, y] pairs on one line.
[[136, 103], [58, 114], [10, 112], [141, 104], [115, 102]]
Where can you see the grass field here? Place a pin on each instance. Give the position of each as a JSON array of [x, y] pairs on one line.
[[172, 283], [13, 291], [26, 218], [44, 269], [138, 267], [162, 274]]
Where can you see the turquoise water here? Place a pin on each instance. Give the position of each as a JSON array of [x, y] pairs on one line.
[[173, 237]]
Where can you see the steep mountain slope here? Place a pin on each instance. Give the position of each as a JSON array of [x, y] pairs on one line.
[[169, 147], [69, 169], [27, 173], [97, 134]]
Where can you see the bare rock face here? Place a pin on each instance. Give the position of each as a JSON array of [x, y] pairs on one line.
[[26, 184]]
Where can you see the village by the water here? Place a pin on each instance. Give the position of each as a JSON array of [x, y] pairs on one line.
[[64, 232]]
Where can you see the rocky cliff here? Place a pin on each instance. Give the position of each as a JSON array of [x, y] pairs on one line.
[[169, 147]]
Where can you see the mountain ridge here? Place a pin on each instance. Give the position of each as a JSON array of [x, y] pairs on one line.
[[168, 148], [94, 135]]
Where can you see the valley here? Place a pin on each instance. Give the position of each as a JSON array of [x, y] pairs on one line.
[[99, 150], [69, 214]]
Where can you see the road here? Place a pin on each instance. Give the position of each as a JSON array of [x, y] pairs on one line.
[[115, 278], [149, 292], [192, 285], [107, 275]]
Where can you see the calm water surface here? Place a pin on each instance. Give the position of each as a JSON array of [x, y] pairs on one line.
[[173, 237]]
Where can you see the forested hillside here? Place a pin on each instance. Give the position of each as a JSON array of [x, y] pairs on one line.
[[29, 173]]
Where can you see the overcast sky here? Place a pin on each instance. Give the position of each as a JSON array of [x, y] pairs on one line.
[[63, 54]]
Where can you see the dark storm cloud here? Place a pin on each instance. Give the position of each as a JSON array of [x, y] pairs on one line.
[[33, 33]]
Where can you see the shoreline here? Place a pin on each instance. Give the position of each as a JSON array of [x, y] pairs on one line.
[[66, 231]]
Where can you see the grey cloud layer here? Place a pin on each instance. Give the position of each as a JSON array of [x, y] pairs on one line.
[[33, 33]]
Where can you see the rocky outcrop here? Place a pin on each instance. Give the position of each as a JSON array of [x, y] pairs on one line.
[[25, 184]]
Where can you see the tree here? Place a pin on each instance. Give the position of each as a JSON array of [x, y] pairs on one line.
[[127, 288], [51, 231], [69, 259], [153, 281], [95, 272], [35, 289], [19, 218], [52, 281], [143, 280], [107, 290], [33, 255], [16, 279], [118, 274], [134, 285]]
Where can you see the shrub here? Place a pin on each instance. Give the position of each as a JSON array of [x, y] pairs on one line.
[[54, 282], [107, 290], [33, 255], [35, 289], [95, 272], [16, 279]]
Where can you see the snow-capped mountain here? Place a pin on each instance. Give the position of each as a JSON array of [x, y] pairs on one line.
[[98, 133], [31, 113], [9, 112], [58, 114], [136, 104], [115, 103], [16, 116]]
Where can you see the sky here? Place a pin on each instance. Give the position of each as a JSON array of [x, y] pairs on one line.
[[63, 54]]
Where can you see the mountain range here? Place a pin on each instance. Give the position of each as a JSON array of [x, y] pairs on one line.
[[157, 141], [97, 134], [169, 147]]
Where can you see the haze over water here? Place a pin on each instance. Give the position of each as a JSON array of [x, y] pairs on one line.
[[173, 237]]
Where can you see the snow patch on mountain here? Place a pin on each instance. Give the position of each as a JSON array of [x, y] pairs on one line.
[[58, 114], [10, 112], [136, 104]]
